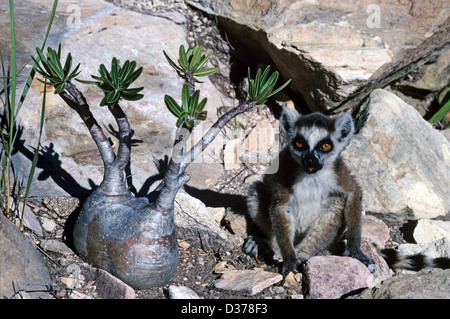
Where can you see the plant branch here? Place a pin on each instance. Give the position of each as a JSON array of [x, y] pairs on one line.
[[198, 148], [125, 134], [75, 99], [174, 178], [189, 79]]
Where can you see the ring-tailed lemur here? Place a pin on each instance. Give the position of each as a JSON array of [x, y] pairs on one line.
[[312, 201]]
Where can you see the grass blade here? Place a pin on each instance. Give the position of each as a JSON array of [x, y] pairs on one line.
[[35, 157]]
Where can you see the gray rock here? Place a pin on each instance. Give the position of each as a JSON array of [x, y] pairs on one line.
[[426, 284], [398, 159], [31, 221], [182, 292], [198, 224], [375, 230], [428, 230], [336, 51], [381, 269], [331, 277], [108, 286], [22, 267], [247, 281], [434, 249], [56, 246]]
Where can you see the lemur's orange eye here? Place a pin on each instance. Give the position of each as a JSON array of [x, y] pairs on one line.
[[326, 146], [299, 144]]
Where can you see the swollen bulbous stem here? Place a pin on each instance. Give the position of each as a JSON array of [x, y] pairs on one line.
[[113, 183]]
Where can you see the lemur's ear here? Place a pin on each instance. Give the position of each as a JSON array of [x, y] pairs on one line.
[[344, 127], [288, 118]]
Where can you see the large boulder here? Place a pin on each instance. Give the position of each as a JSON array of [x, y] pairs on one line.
[[426, 284], [336, 52], [399, 159], [22, 268]]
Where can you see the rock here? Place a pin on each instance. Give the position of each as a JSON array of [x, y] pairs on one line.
[[336, 51], [381, 269], [108, 286], [236, 223], [375, 229], [261, 144], [293, 280], [434, 249], [56, 246], [222, 267], [196, 221], [398, 159], [69, 282], [231, 155], [32, 222], [247, 281], [182, 292], [426, 284], [218, 213], [446, 134], [332, 277], [78, 295], [70, 163], [430, 230], [421, 88], [48, 224], [22, 267]]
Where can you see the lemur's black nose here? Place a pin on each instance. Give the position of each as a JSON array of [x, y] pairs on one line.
[[311, 164]]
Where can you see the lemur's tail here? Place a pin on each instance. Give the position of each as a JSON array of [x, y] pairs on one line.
[[413, 262]]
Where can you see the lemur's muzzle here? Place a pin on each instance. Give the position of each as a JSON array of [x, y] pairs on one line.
[[311, 164]]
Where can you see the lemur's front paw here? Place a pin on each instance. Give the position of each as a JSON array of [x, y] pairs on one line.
[[289, 266], [251, 246], [361, 256]]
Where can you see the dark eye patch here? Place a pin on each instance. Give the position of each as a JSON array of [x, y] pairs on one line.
[[300, 143]]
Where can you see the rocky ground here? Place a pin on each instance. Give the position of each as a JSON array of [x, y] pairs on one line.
[[201, 270]]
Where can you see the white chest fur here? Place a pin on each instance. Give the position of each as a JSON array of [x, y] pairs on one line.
[[307, 201]]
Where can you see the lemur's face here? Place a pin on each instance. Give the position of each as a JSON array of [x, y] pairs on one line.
[[312, 146], [315, 140]]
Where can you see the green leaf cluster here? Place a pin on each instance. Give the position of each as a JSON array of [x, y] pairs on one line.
[[192, 62], [53, 70], [115, 83], [261, 88], [190, 110]]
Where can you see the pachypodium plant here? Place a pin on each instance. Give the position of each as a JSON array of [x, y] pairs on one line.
[[190, 109], [191, 64], [261, 88], [52, 69], [130, 237], [115, 83]]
